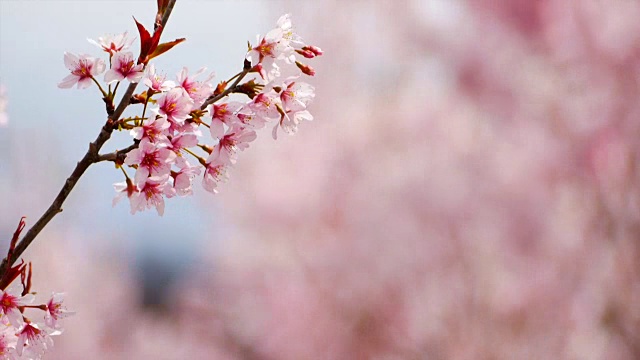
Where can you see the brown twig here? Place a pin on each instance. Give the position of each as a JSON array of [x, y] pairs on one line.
[[230, 89], [118, 155], [92, 156]]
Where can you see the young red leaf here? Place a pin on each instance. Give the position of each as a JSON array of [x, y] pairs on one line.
[[25, 279], [164, 47], [145, 41], [11, 275], [155, 40], [14, 239]]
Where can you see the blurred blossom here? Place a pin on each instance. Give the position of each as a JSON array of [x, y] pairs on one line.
[[471, 190], [4, 118], [474, 176]]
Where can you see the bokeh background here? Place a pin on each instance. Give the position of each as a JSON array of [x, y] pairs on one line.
[[469, 188]]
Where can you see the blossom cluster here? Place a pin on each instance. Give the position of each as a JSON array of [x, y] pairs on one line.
[[193, 128], [21, 337]]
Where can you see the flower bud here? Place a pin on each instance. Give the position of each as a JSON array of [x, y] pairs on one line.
[[306, 53], [306, 69], [314, 49]]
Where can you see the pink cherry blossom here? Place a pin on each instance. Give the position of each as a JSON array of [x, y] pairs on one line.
[[181, 141], [250, 119], [156, 82], [297, 95], [215, 173], [223, 114], [288, 35], [281, 45], [113, 43], [127, 188], [9, 307], [56, 311], [269, 47], [292, 39], [175, 104], [124, 67], [236, 139], [265, 105], [34, 340], [185, 127], [151, 161], [152, 129], [290, 120], [83, 69], [151, 194], [183, 179], [198, 91], [8, 341]]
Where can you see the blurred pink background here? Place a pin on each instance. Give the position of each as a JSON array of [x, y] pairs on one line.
[[469, 189]]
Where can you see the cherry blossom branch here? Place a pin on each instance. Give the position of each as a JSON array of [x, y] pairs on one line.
[[165, 15], [230, 89], [89, 158], [119, 155]]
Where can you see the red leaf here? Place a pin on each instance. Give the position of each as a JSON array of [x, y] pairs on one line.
[[26, 281], [155, 40], [164, 47], [11, 275], [145, 41], [14, 239]]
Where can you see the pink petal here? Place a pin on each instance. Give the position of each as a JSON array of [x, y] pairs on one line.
[[68, 82]]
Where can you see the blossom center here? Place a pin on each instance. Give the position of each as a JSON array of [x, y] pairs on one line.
[[7, 302], [126, 67]]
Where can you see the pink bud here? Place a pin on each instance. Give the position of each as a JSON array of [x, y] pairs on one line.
[[306, 53], [306, 69], [314, 49]]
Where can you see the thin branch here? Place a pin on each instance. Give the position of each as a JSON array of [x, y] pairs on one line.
[[90, 157], [229, 90], [167, 12], [118, 155]]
